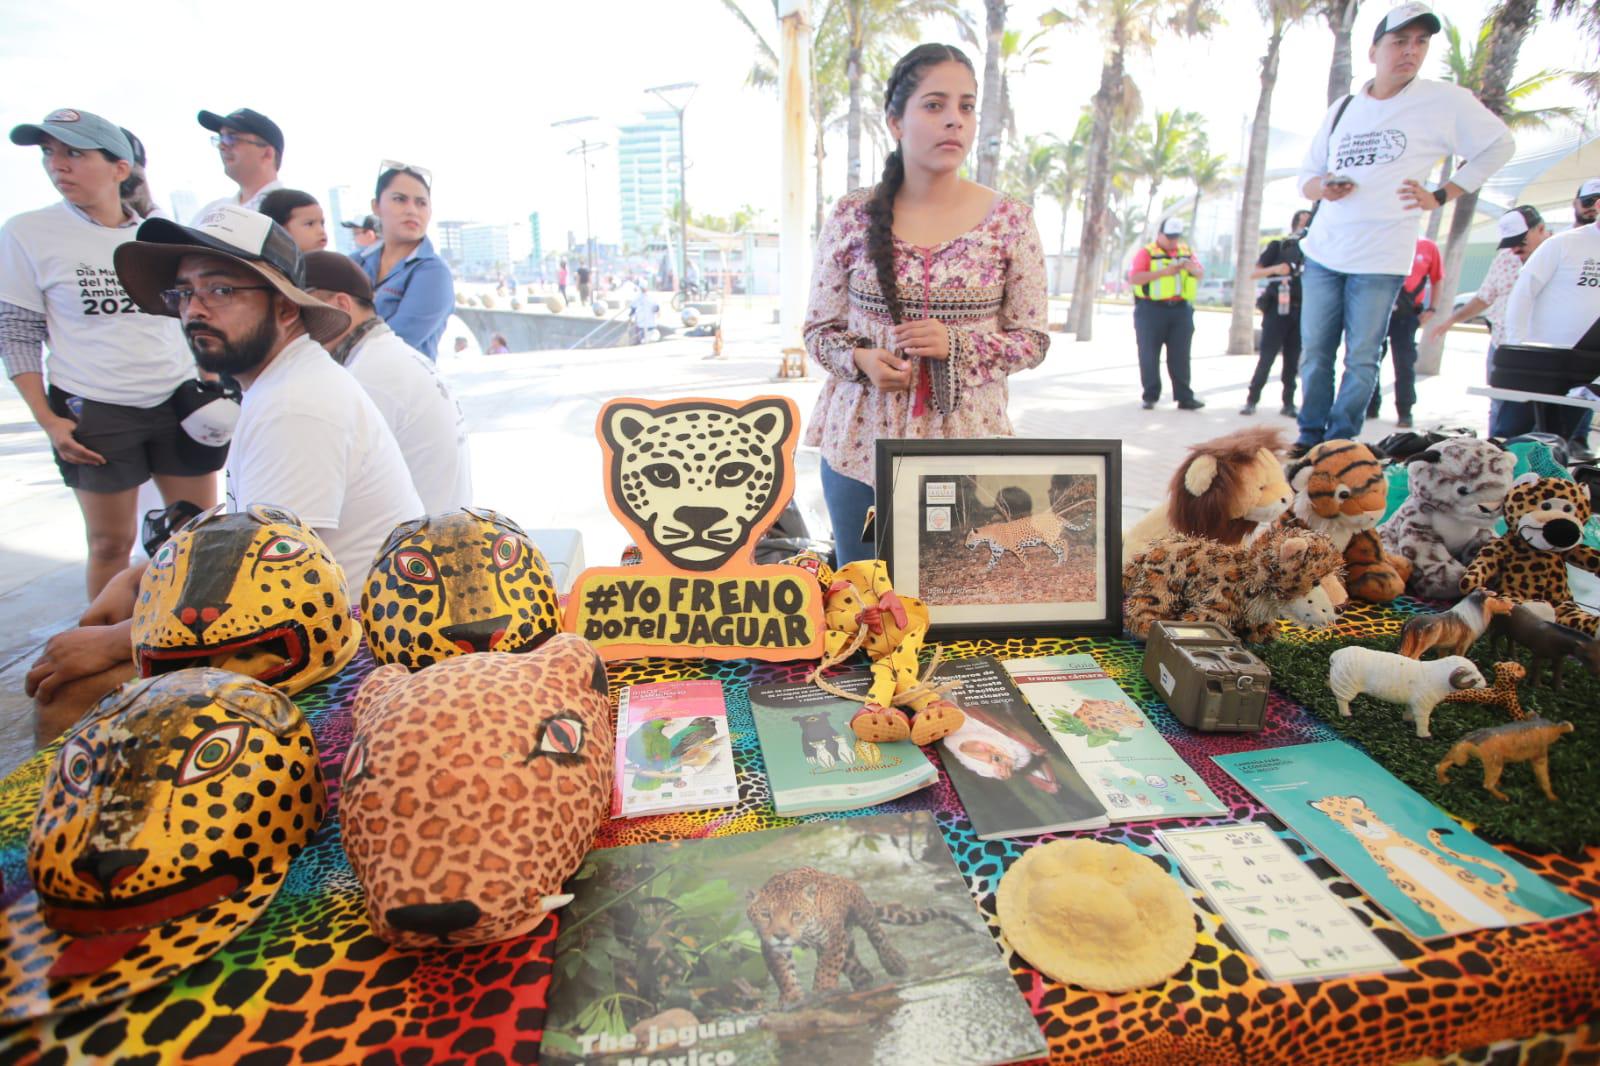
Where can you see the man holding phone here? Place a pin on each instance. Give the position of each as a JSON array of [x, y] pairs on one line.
[[1366, 166], [1165, 275]]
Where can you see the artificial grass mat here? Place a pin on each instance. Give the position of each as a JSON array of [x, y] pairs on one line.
[[1528, 820]]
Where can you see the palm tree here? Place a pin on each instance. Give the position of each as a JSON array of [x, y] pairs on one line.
[[1279, 16], [1512, 21], [1017, 54], [1589, 21], [1072, 163], [989, 109], [1205, 171], [1464, 65], [1159, 150], [1126, 27], [1341, 16], [1031, 168]]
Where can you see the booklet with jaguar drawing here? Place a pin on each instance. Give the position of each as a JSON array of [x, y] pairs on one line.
[[1012, 778], [1433, 877], [1132, 769], [673, 749], [814, 761]]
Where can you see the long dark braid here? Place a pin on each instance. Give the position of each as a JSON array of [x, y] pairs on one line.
[[903, 81]]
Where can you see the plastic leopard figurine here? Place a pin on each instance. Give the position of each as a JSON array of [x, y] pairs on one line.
[[1544, 535], [1242, 588], [1458, 490], [808, 908]]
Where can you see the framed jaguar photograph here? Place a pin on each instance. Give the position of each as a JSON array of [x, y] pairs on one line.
[[1003, 535]]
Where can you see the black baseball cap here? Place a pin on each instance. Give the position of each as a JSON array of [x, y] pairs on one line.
[[370, 222], [1406, 15], [246, 121], [136, 144]]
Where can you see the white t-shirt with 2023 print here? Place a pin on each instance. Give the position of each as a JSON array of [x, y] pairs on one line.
[[1381, 143], [1557, 296], [100, 346]]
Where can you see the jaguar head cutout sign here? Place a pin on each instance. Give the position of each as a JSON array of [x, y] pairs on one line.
[[697, 482]]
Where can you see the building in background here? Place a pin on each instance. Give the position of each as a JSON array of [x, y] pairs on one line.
[[535, 263], [447, 241], [343, 239], [647, 173], [492, 250]]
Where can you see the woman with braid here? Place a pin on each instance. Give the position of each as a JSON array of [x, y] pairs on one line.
[[928, 292]]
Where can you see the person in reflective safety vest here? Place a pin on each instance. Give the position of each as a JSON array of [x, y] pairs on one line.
[[1165, 276]]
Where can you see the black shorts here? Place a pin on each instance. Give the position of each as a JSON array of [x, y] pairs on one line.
[[136, 442]]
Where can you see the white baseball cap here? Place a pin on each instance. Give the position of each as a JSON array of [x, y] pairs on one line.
[[1172, 227], [1404, 15], [1589, 188]]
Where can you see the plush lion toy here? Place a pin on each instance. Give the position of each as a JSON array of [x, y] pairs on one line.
[[1224, 491], [1339, 490], [863, 612], [1544, 535]]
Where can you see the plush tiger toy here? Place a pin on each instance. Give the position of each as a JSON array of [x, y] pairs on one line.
[[1339, 490]]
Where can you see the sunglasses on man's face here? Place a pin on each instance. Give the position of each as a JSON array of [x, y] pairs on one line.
[[423, 173], [1589, 201]]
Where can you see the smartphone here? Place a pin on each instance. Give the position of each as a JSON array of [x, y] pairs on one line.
[[1338, 180]]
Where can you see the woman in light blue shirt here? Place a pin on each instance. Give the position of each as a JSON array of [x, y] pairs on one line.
[[412, 288]]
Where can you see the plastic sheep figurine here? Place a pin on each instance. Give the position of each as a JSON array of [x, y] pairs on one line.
[[1394, 678]]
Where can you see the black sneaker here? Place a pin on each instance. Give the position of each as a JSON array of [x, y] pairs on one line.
[[1404, 422], [1148, 405], [1298, 451], [1289, 410], [1249, 408], [1191, 405]]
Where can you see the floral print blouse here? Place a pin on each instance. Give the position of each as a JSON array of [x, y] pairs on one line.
[[987, 286]]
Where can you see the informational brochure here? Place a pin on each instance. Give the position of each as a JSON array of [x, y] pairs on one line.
[[1278, 909], [815, 762], [1122, 756], [673, 749], [1012, 777], [1416, 862]]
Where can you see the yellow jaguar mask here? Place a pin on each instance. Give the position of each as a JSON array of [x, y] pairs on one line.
[[256, 592], [166, 824], [454, 583]]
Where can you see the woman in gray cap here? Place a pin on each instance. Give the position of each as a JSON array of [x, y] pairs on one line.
[[114, 374]]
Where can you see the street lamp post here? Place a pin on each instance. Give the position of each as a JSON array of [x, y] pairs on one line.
[[660, 92], [585, 146]]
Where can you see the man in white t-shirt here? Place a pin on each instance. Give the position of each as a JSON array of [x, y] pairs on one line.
[[308, 439], [407, 389], [1586, 205], [1366, 164], [251, 147]]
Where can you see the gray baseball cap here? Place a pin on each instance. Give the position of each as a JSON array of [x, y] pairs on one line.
[[76, 129]]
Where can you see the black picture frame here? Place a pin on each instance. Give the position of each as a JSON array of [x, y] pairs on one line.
[[921, 551]]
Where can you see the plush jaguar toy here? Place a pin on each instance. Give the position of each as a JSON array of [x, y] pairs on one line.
[[1457, 492], [454, 583], [1544, 535], [863, 612]]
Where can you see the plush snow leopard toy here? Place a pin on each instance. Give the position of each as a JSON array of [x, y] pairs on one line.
[[1458, 491]]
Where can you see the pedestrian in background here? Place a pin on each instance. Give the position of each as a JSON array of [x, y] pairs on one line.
[[1165, 275], [1282, 261], [1412, 309], [1366, 164], [413, 290]]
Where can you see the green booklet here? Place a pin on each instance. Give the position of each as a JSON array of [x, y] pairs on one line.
[[814, 761], [847, 941], [1012, 777], [1431, 875], [1131, 768]]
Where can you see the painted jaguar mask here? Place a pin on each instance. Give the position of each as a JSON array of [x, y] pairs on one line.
[[454, 583], [167, 822], [255, 592], [473, 789]]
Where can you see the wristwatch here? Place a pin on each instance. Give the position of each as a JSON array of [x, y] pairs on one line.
[[1441, 196]]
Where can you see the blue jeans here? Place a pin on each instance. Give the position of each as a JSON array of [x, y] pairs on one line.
[[1354, 307], [848, 501], [1508, 418]]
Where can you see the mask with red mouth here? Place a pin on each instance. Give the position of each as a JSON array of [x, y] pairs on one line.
[[167, 821], [256, 592]]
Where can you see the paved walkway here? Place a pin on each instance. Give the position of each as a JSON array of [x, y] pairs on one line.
[[535, 457]]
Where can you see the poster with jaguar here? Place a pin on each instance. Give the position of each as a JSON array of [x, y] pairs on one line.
[[696, 482], [1004, 533], [842, 941]]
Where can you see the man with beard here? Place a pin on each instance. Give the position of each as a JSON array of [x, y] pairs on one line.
[[1586, 205], [308, 439]]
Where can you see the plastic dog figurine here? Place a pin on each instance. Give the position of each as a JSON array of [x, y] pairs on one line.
[[1526, 741]]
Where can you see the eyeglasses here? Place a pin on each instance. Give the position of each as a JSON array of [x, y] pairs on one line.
[[1589, 201], [213, 296], [230, 139], [408, 168]]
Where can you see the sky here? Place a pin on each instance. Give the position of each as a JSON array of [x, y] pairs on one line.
[[472, 93]]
